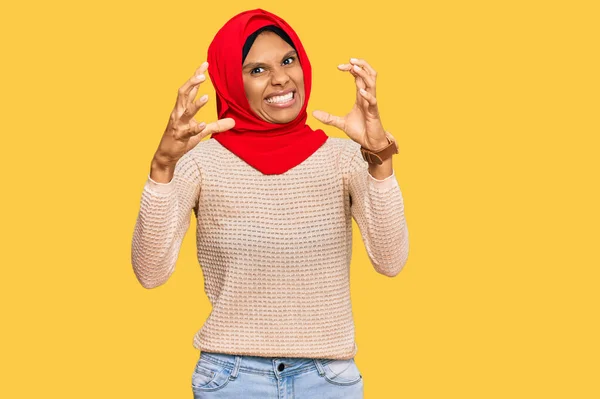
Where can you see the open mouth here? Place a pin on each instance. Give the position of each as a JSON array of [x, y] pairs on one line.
[[283, 99]]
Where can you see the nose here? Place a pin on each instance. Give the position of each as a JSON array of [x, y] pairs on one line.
[[279, 77]]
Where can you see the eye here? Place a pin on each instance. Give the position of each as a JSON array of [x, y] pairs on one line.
[[255, 69], [289, 58]]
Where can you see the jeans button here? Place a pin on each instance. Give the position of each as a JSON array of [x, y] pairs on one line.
[[280, 367]]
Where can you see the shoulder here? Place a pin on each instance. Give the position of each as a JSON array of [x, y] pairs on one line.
[[205, 147], [348, 153], [345, 147], [191, 164], [206, 152]]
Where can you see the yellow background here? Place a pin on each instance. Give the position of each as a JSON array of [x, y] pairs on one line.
[[494, 106]]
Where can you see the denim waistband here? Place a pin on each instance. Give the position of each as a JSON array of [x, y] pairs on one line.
[[279, 366]]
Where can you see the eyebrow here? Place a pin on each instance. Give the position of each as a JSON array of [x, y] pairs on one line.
[[253, 65]]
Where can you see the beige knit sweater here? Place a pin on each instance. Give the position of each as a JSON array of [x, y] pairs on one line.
[[274, 250]]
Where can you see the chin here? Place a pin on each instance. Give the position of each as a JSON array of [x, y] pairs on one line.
[[285, 120], [284, 116]]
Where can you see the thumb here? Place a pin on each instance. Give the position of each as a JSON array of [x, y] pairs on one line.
[[219, 126], [329, 119]]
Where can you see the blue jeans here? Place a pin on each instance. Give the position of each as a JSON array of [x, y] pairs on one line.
[[221, 375]]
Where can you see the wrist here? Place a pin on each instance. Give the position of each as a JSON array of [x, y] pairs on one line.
[[161, 162], [382, 171], [383, 153], [377, 144], [161, 172]]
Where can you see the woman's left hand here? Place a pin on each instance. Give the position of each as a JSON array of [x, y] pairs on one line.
[[362, 124]]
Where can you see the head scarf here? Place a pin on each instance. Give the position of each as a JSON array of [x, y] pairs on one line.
[[250, 40], [271, 148]]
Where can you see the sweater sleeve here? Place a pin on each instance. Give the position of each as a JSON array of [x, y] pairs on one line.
[[378, 208], [163, 220]]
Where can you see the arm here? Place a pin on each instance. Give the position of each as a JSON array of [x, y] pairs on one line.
[[377, 206], [162, 222]]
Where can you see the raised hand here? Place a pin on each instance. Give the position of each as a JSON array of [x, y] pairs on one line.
[[363, 123], [183, 132]]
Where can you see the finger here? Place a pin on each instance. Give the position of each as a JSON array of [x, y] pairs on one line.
[[348, 68], [183, 94], [368, 79], [185, 131], [329, 119], [371, 99], [192, 94], [200, 75], [192, 108], [195, 139], [364, 64], [219, 126], [195, 127], [360, 83], [358, 79], [184, 91], [362, 79]]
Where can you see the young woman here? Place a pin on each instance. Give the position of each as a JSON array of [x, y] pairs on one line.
[[274, 201]]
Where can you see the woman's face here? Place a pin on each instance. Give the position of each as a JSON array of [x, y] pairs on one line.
[[273, 79]]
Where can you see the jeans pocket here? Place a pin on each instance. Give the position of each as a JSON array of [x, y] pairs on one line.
[[209, 376], [341, 372]]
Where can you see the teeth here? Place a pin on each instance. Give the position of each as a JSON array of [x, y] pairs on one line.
[[281, 99]]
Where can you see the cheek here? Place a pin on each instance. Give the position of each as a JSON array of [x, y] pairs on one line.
[[253, 91], [299, 78]]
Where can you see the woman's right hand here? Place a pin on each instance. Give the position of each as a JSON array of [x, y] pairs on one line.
[[183, 132]]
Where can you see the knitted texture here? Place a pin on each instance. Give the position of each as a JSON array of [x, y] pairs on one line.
[[275, 250]]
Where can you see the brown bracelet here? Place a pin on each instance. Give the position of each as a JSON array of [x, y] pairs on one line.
[[377, 157]]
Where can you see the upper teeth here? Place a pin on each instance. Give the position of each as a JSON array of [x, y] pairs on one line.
[[281, 99]]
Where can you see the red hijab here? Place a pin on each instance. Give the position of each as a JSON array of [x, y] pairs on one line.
[[271, 148]]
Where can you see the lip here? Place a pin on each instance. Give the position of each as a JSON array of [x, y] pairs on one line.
[[279, 93], [284, 105]]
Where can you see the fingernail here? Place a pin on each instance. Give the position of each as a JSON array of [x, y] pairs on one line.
[[353, 59], [200, 77], [205, 63], [204, 97], [356, 68], [341, 65]]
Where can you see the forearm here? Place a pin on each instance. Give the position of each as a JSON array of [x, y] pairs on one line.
[[163, 220], [154, 248], [378, 209]]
